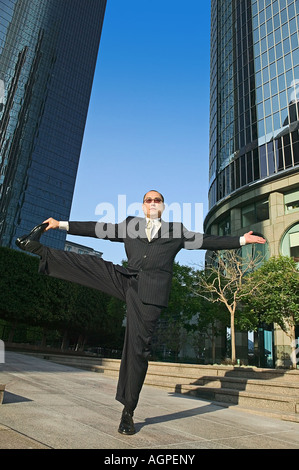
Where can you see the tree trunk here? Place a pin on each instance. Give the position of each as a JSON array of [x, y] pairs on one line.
[[80, 342], [294, 347], [11, 333], [233, 337], [214, 350], [65, 341], [44, 338], [213, 346]]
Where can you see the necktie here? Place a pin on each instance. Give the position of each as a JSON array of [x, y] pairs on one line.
[[152, 228], [149, 229]]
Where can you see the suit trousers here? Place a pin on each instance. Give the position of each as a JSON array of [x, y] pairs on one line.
[[142, 318]]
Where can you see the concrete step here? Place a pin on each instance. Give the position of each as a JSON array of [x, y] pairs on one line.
[[108, 367], [171, 374], [277, 387], [82, 362], [73, 360], [275, 395], [243, 398], [196, 371], [283, 388], [274, 391], [190, 371]]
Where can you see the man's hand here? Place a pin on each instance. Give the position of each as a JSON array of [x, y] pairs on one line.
[[249, 238], [52, 223]]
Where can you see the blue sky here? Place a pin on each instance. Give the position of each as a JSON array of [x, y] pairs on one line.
[[148, 119]]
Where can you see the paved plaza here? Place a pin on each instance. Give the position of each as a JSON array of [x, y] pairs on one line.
[[50, 406]]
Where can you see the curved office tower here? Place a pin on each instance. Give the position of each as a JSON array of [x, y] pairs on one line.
[[48, 52], [254, 123]]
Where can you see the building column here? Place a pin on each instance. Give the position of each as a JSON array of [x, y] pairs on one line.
[[276, 213], [235, 220]]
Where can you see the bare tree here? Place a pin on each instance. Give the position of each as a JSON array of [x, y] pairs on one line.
[[222, 282]]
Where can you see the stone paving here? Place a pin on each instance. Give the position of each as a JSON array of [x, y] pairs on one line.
[[50, 406]]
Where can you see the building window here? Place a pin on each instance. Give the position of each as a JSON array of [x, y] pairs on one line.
[[259, 252], [294, 246], [290, 243], [224, 227], [291, 201], [255, 212]]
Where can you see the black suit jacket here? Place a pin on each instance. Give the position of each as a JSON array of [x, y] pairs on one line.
[[152, 261]]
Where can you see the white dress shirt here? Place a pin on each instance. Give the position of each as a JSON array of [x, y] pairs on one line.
[[152, 227]]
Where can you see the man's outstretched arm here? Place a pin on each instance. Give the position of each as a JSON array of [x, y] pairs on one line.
[[195, 241], [101, 230], [84, 229], [249, 238]]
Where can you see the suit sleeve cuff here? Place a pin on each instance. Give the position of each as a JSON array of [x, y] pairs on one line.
[[63, 225], [242, 241]]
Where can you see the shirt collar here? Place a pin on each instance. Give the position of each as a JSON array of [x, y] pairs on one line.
[[153, 221]]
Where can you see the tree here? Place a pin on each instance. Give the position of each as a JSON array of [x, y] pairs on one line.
[[21, 288], [31, 299], [212, 318], [276, 295], [183, 305], [111, 329], [223, 283]]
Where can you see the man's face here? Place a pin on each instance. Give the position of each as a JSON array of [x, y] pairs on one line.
[[152, 205]]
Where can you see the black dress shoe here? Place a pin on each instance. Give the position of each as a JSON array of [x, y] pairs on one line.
[[34, 236], [127, 424]]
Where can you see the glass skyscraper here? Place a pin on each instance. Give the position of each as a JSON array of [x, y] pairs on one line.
[[48, 52], [254, 92], [254, 124]]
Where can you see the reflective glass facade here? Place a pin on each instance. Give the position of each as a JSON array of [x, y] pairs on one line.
[[254, 102], [48, 52]]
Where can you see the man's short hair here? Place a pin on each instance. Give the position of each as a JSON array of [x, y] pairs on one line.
[[162, 197]]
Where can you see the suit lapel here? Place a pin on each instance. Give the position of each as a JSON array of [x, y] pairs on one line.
[[137, 228], [163, 231], [142, 230]]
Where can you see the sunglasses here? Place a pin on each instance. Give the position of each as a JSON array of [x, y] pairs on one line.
[[156, 200]]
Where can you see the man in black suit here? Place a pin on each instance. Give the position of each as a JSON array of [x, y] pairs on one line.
[[151, 246]]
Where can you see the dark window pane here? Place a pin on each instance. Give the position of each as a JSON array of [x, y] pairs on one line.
[[288, 156], [248, 215], [262, 211], [256, 165], [232, 176], [237, 163], [224, 227], [263, 161], [296, 153], [279, 155], [249, 167], [243, 170], [271, 162]]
